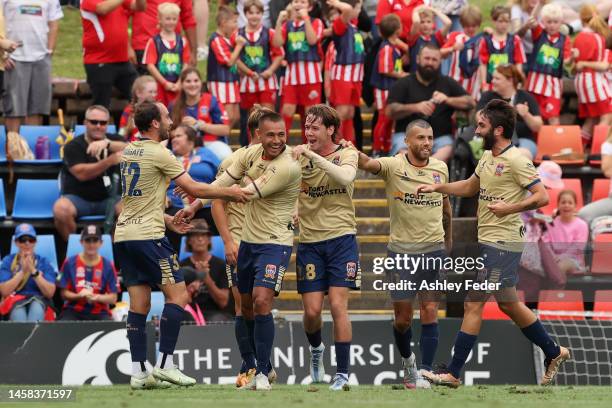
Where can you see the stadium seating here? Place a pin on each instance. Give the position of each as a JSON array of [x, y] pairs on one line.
[[560, 300], [32, 133], [601, 189], [603, 303], [92, 218], [492, 311], [2, 144], [602, 254], [599, 136], [80, 129], [34, 199], [217, 248], [553, 139], [157, 303], [74, 246], [45, 246], [2, 201], [553, 195]]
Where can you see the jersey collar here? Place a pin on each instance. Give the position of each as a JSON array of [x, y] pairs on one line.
[[414, 165]]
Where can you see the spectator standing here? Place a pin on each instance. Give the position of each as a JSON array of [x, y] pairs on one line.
[[506, 82], [33, 25], [422, 32], [144, 26], [403, 9], [88, 281], [601, 207], [27, 280], [105, 47], [166, 53], [214, 293], [144, 89], [6, 47], [430, 96], [523, 16], [90, 160]]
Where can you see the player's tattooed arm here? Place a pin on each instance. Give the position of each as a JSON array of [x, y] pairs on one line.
[[463, 188], [343, 174], [538, 198], [447, 224], [179, 228]]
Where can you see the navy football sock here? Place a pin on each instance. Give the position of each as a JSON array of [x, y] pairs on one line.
[[402, 340], [343, 354], [463, 346], [428, 344], [314, 338], [169, 328], [244, 344], [264, 338], [537, 335], [137, 336], [250, 324]]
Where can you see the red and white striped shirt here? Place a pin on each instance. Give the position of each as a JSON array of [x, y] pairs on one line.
[[330, 57], [591, 86], [251, 85], [543, 84], [304, 72], [471, 85], [346, 73]]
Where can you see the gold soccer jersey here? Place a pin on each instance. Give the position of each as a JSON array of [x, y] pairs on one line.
[[146, 170], [234, 210], [268, 217], [326, 208], [505, 177], [416, 220]]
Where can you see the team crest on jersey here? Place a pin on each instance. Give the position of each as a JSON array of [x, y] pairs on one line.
[[336, 160], [80, 272], [204, 110], [351, 270], [304, 188], [499, 169], [270, 271], [436, 178]]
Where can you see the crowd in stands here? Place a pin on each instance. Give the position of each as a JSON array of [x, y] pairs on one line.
[[433, 60]]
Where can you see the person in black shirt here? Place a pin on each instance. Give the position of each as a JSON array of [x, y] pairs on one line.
[[214, 294], [430, 96], [506, 80], [89, 163]]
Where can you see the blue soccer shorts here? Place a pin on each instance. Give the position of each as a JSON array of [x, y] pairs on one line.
[[429, 270], [151, 261], [262, 265]]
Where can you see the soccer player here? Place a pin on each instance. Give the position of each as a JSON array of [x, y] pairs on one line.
[[229, 219], [327, 255], [143, 252], [267, 235], [502, 177], [419, 225]]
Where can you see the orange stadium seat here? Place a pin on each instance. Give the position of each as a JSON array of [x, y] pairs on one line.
[[561, 300], [553, 139], [599, 136], [553, 194], [601, 189], [603, 303], [492, 311], [602, 254]]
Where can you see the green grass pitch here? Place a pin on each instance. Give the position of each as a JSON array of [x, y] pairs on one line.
[[289, 396]]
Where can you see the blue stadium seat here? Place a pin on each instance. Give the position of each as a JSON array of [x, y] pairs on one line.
[[74, 246], [157, 303], [2, 144], [45, 246], [2, 201], [217, 249], [92, 218], [34, 199], [31, 134], [80, 129]]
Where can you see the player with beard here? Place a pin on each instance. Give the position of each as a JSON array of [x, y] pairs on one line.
[[327, 255], [430, 96], [143, 252], [502, 177], [420, 225], [274, 177]]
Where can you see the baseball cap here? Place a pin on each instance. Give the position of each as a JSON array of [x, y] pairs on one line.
[[200, 226], [25, 230], [550, 174], [91, 231]]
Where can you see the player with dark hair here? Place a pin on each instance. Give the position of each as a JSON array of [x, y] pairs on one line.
[[143, 252], [327, 255], [419, 225], [502, 177]]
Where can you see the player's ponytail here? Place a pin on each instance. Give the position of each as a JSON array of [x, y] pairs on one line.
[[591, 18]]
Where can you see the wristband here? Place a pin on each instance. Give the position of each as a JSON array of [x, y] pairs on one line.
[[35, 273]]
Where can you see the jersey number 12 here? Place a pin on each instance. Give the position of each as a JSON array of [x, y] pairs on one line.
[[130, 169]]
